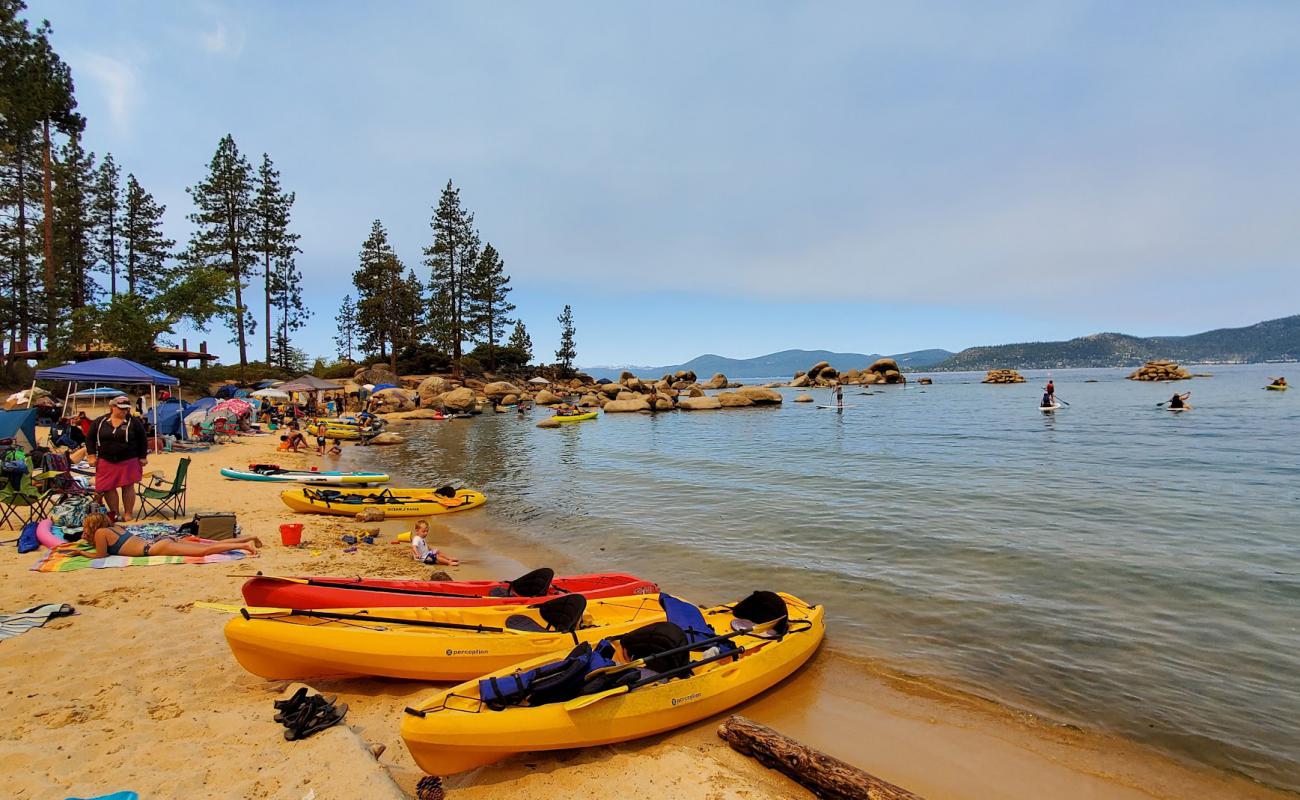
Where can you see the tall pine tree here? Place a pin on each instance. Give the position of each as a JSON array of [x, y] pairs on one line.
[[224, 234], [568, 344], [276, 246], [74, 244], [146, 250], [380, 289], [346, 339], [451, 259], [106, 216], [488, 306], [521, 342]]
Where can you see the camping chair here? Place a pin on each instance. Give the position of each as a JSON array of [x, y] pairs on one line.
[[24, 502], [59, 479], [162, 495]]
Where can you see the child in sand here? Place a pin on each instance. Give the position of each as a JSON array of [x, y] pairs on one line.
[[422, 552], [112, 540], [337, 449]]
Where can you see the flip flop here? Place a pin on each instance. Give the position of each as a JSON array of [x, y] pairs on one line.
[[327, 718]]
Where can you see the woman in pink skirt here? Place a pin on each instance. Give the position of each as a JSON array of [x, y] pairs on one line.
[[118, 448]]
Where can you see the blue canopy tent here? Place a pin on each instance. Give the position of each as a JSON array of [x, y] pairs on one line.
[[19, 425], [119, 371], [168, 417]]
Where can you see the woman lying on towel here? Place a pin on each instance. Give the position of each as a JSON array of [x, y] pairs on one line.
[[112, 540]]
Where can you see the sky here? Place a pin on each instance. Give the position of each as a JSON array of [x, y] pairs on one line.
[[745, 177]]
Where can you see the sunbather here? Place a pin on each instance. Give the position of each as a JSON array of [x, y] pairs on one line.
[[112, 540]]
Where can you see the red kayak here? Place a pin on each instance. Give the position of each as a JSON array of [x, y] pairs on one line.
[[328, 592]]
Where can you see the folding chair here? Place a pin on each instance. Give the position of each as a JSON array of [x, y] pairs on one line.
[[24, 502], [162, 495]]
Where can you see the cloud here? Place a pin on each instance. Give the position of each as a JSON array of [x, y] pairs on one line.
[[117, 82], [222, 41]]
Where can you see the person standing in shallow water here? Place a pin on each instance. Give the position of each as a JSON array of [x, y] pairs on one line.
[[118, 448]]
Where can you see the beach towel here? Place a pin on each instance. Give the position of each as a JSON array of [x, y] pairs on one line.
[[13, 624], [79, 556]]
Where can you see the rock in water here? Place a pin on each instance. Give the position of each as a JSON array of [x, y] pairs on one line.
[[804, 398], [1161, 370], [548, 422], [626, 406], [1003, 376], [430, 388], [733, 400], [546, 398], [699, 403], [461, 399], [498, 390], [761, 395], [388, 437]]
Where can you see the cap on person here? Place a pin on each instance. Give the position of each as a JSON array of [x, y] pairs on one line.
[[121, 401]]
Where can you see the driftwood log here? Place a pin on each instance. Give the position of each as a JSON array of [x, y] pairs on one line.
[[825, 776]]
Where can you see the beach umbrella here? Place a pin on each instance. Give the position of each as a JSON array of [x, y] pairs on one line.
[[539, 381], [266, 384], [238, 407], [100, 391], [217, 413], [271, 394]]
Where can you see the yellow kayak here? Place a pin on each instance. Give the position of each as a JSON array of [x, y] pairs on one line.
[[574, 417], [393, 502], [349, 432], [456, 729], [1274, 387], [451, 643]]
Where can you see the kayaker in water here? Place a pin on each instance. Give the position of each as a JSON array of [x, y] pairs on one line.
[[1178, 400], [421, 551], [113, 540], [1278, 382]]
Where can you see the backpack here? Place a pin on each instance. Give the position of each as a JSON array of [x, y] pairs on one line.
[[27, 541]]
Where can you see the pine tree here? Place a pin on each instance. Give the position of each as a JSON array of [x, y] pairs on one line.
[[380, 287], [275, 246], [346, 339], [224, 235], [146, 249], [521, 341], [286, 296], [408, 306], [106, 216], [74, 245], [568, 346], [488, 307], [451, 259]]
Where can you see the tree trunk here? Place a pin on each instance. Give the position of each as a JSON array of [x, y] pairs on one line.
[[232, 220], [23, 279], [51, 315], [824, 775], [267, 321]]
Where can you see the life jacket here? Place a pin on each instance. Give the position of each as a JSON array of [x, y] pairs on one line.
[[555, 682]]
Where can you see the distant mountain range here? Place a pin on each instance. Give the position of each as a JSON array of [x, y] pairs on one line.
[[774, 365], [1274, 340]]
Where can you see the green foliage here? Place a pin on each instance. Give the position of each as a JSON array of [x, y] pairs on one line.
[[568, 345], [422, 359], [223, 238], [488, 306], [146, 250], [74, 233], [349, 333], [384, 312], [106, 219], [506, 358], [275, 246], [451, 259], [521, 342]]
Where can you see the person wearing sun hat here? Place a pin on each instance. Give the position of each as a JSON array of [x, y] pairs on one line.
[[118, 448]]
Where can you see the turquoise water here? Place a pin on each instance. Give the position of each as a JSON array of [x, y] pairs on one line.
[[1113, 565]]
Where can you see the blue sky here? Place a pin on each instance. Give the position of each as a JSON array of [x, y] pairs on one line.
[[743, 177]]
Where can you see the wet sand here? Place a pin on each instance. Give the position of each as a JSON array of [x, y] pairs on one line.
[[139, 691]]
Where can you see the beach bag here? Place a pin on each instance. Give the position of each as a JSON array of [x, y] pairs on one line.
[[27, 541], [70, 513], [216, 525]]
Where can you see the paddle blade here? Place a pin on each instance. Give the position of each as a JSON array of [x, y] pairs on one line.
[[591, 699]]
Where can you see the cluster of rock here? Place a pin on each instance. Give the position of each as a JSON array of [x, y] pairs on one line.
[[1161, 370], [822, 374], [1003, 376]]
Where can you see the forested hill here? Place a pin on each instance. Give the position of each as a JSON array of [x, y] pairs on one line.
[[774, 365], [1274, 340]]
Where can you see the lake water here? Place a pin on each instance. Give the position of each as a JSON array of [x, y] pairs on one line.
[[1113, 565]]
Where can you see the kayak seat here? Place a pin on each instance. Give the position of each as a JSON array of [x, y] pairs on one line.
[[533, 584], [521, 622], [561, 615], [648, 641], [763, 607]]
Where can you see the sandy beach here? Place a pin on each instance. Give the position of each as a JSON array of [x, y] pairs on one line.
[[139, 691]]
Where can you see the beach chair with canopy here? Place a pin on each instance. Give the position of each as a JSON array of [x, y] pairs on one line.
[[161, 495]]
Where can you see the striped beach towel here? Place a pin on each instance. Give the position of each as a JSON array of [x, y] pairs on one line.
[[79, 556], [13, 624]]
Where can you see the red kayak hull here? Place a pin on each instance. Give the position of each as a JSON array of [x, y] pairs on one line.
[[377, 593]]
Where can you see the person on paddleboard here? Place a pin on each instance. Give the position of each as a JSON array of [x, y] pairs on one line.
[[1178, 400], [839, 397]]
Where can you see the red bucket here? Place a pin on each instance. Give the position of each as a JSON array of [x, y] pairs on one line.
[[291, 534]]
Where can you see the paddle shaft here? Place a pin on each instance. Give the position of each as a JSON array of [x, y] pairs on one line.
[[420, 623], [372, 588], [686, 648]]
